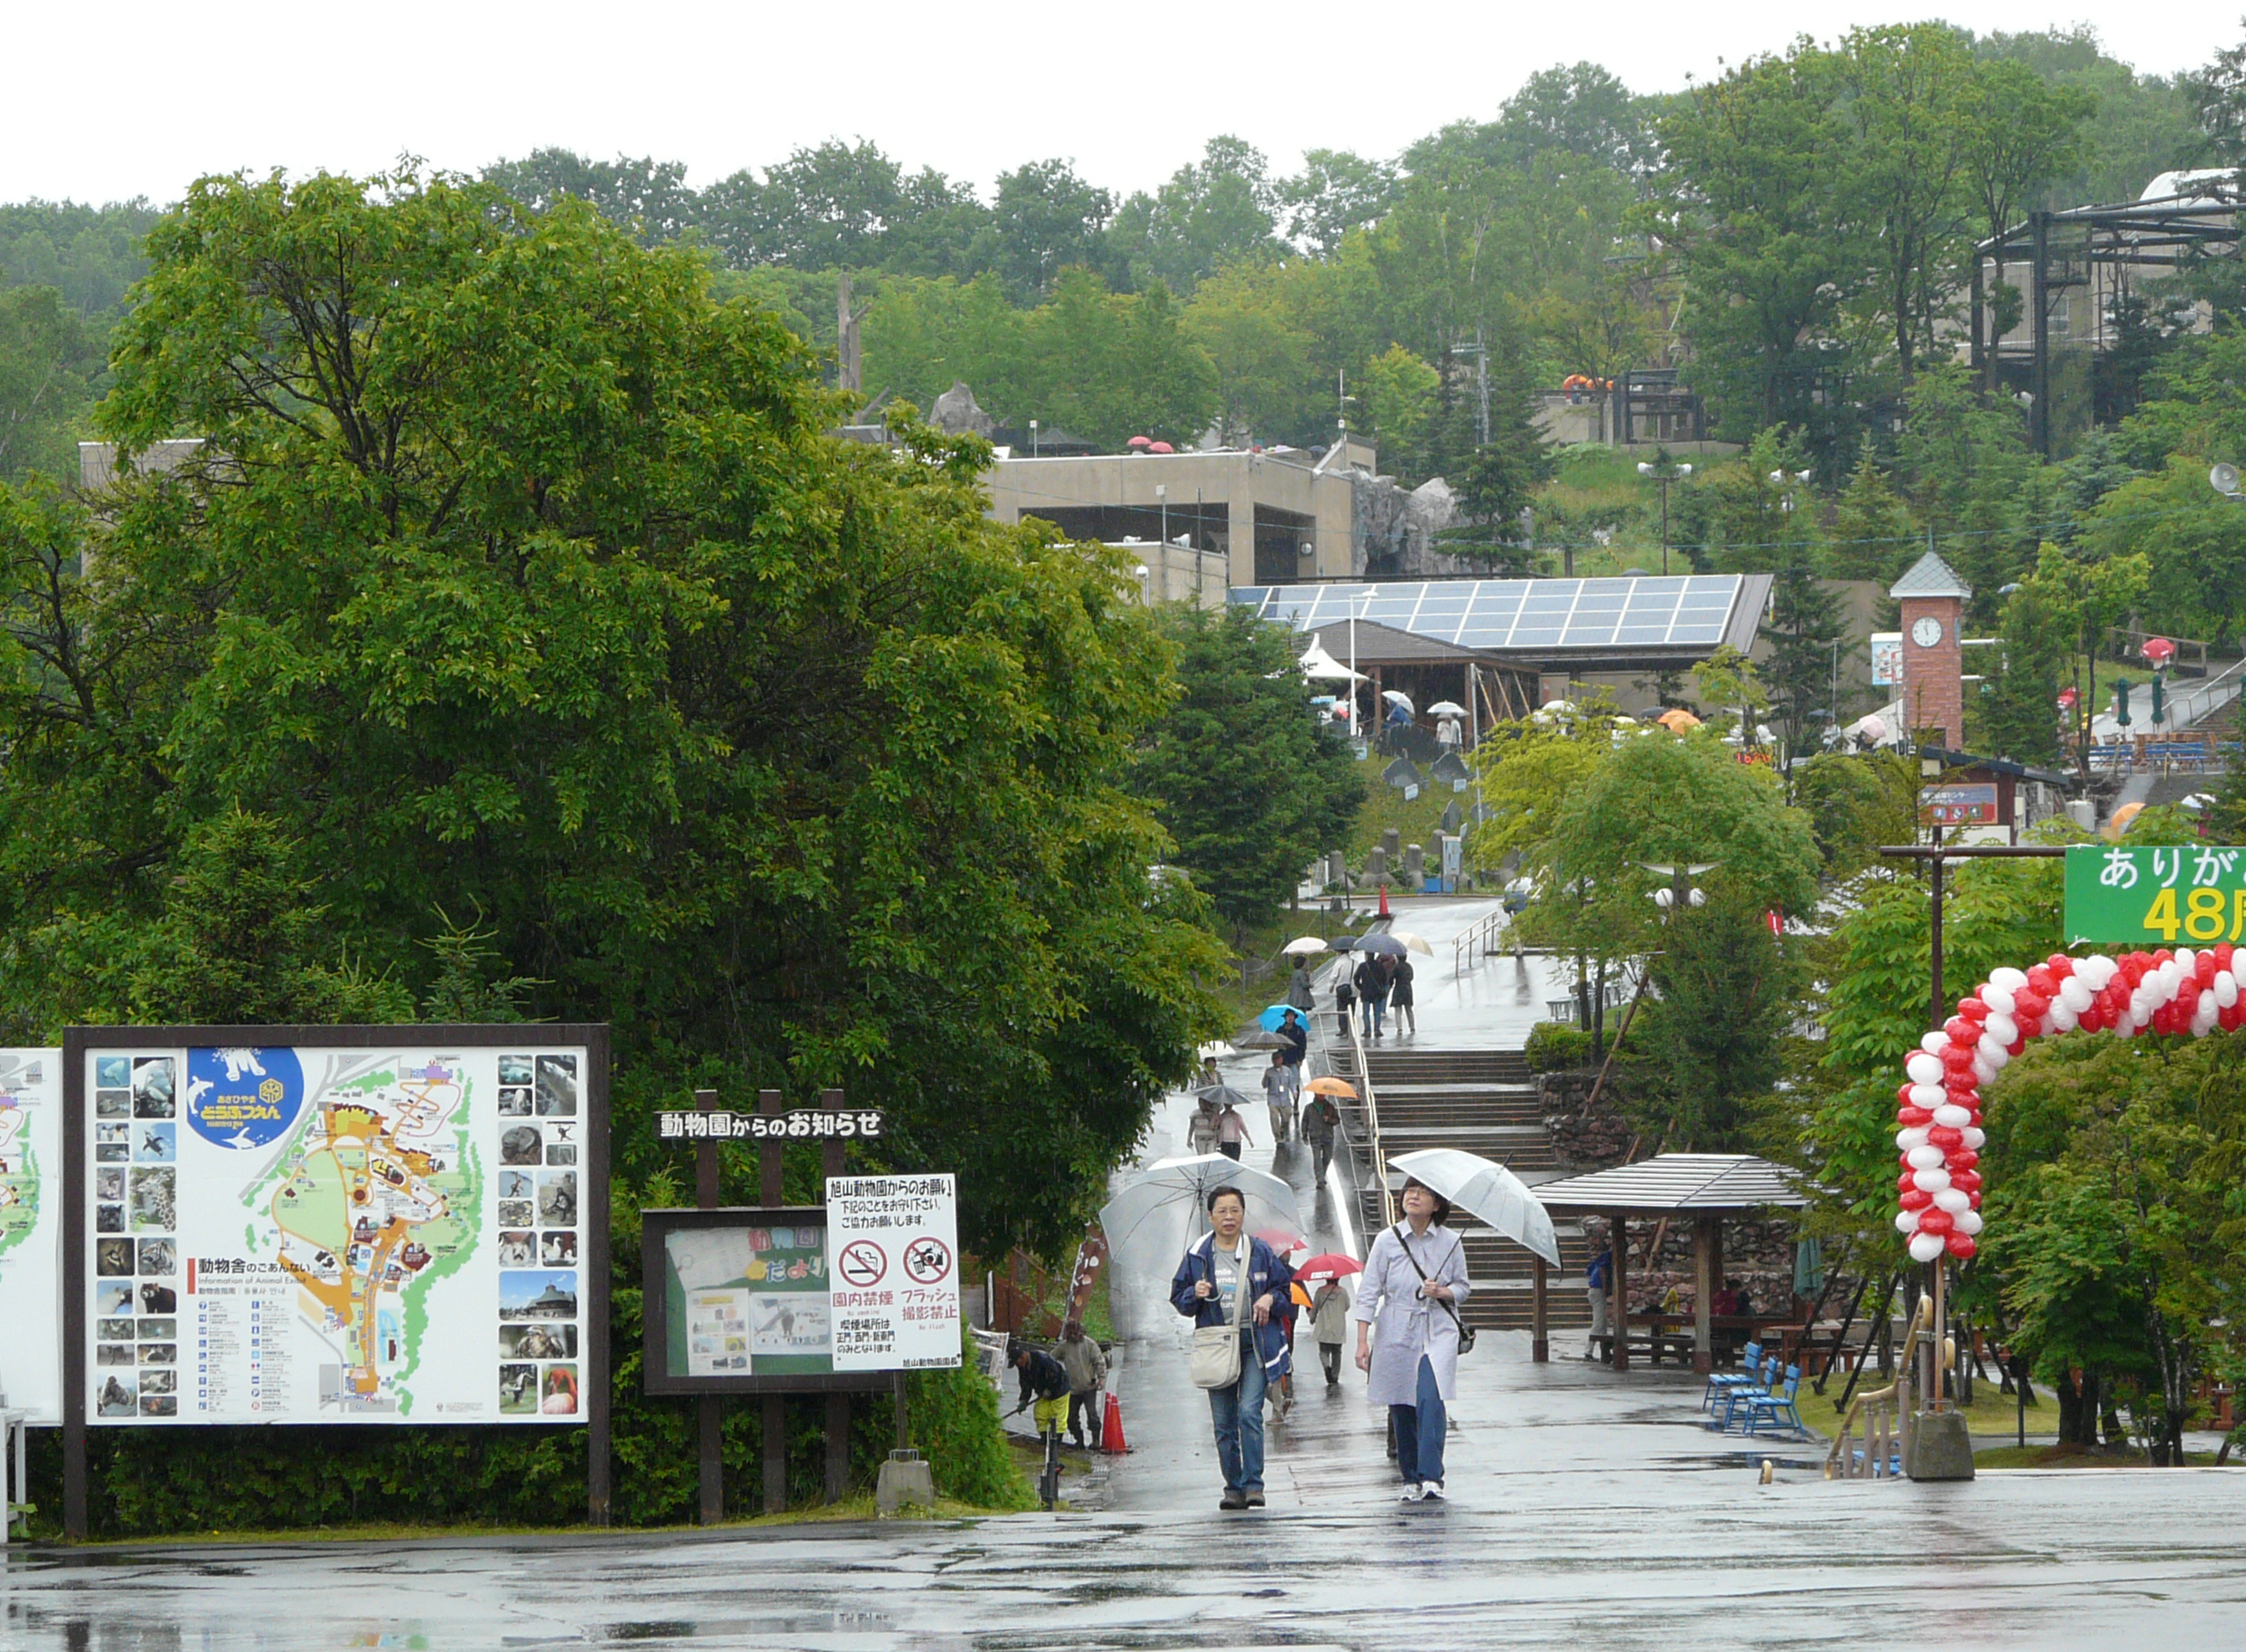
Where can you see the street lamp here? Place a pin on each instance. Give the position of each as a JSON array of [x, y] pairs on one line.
[[1665, 473], [1032, 439]]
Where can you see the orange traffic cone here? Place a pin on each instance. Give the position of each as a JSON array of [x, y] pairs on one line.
[[1111, 1428], [1384, 902]]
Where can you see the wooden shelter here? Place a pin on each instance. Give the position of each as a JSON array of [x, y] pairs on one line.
[[1703, 1187]]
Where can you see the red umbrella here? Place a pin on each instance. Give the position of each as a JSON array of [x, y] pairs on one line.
[[1328, 1266], [2159, 650], [1281, 1241], [1139, 441]]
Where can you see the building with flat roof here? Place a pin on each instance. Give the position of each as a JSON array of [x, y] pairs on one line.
[[1275, 518]]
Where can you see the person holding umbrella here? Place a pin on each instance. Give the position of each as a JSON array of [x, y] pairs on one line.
[[1320, 1119], [1295, 1038], [1229, 1278], [1408, 1332], [1373, 990], [1329, 1314]]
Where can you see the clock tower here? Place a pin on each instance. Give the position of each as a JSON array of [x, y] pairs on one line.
[[1933, 600]]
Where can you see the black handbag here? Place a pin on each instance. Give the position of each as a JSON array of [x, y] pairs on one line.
[[1465, 1331]]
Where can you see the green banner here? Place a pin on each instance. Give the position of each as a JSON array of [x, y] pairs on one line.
[[2146, 897]]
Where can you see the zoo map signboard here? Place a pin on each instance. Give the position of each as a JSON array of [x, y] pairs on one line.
[[363, 1235], [31, 1232], [2192, 895]]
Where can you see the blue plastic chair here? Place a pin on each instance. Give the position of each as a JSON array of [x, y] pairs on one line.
[[1751, 1355], [1776, 1409], [1764, 1384]]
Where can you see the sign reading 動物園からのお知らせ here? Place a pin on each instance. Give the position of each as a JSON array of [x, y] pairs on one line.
[[31, 1232], [314, 1233], [2152, 896]]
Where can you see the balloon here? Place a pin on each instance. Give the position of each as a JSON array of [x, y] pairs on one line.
[[1958, 1245], [1953, 1198], [1956, 1116], [1912, 1117], [1962, 1158], [1924, 1158], [2027, 1009], [1932, 1181], [1985, 1071], [1995, 1054], [1906, 1222], [1965, 1181], [1968, 1224], [1998, 997], [1945, 1136], [1907, 1183], [1924, 1069], [2204, 970], [1962, 1031], [2063, 1020], [1924, 1247], [1927, 1095], [2010, 979], [2223, 953], [1915, 1199], [1975, 1137], [2225, 988], [2075, 993], [1957, 1057], [1933, 1043], [1973, 1008], [2041, 980], [2005, 1029], [1935, 1221], [1915, 1136]]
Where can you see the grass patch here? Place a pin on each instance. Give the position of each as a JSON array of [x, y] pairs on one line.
[[2076, 1457]]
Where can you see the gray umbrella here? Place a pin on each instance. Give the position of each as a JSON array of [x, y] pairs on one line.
[[1225, 1095], [1385, 945]]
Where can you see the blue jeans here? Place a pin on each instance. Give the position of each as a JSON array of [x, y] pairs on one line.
[[1238, 1413], [1419, 1431]]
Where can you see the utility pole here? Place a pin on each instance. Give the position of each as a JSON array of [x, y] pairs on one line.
[[1479, 352], [850, 374]]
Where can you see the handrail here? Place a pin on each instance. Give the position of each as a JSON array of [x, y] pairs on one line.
[[1481, 931], [1372, 1120], [1922, 1330]]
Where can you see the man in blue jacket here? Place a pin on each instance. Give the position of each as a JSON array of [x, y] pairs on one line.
[[1228, 1276]]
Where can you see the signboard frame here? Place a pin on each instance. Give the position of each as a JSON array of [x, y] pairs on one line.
[[656, 1227], [80, 1042], [2152, 895]]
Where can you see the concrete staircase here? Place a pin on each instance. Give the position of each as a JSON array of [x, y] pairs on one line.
[[1483, 1102]]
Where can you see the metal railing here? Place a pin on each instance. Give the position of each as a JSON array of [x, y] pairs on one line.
[[1486, 930], [1885, 1414], [1371, 1122]]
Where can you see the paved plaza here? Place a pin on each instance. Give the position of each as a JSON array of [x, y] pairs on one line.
[[1588, 1511]]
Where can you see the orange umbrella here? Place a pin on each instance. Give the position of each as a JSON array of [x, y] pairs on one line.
[[1677, 720], [1330, 1087]]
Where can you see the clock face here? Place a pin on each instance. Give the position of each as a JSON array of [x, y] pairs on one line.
[[1926, 632]]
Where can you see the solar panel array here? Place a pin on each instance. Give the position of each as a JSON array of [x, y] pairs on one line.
[[1653, 612]]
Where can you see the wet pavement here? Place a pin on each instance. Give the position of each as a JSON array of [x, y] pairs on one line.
[[1588, 1511]]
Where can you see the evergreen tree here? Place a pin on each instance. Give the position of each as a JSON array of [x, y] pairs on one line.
[[1872, 538], [1805, 624], [2016, 708]]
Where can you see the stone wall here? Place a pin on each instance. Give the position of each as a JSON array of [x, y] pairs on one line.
[[1758, 1254]]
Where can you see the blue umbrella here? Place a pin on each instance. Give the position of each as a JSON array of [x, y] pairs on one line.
[[1275, 1016]]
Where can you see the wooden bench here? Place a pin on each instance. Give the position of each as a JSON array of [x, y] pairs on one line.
[[1653, 1344]]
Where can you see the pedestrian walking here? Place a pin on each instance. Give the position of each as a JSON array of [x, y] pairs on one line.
[[1598, 1278], [1448, 733], [1408, 1332], [1294, 1044], [1298, 988], [1400, 996], [1210, 1077], [1201, 1133], [1086, 1363], [1329, 1320], [1345, 997], [1372, 993], [1320, 1119], [1232, 1131], [1230, 1279], [1279, 1095]]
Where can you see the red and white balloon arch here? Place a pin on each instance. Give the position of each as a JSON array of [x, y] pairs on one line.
[[2179, 994]]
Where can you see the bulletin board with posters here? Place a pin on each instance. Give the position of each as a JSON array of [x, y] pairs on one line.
[[740, 1301], [402, 1225], [31, 1233]]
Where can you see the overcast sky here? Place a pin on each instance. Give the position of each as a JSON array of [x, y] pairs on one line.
[[131, 98]]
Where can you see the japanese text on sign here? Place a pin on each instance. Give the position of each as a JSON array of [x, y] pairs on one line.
[[757, 1127], [2186, 895], [899, 1233]]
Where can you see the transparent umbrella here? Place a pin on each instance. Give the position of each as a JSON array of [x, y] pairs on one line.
[[1151, 1220], [1489, 1190]]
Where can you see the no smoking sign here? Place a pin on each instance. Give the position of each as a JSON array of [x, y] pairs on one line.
[[861, 1264]]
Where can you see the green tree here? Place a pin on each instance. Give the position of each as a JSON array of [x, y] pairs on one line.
[[48, 356], [1803, 631], [772, 753], [1244, 324], [1220, 209], [2015, 710], [1237, 770], [1044, 220], [1335, 192], [1730, 991], [1872, 537]]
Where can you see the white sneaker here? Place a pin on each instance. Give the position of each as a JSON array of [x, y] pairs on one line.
[[1413, 1492], [1431, 1491]]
